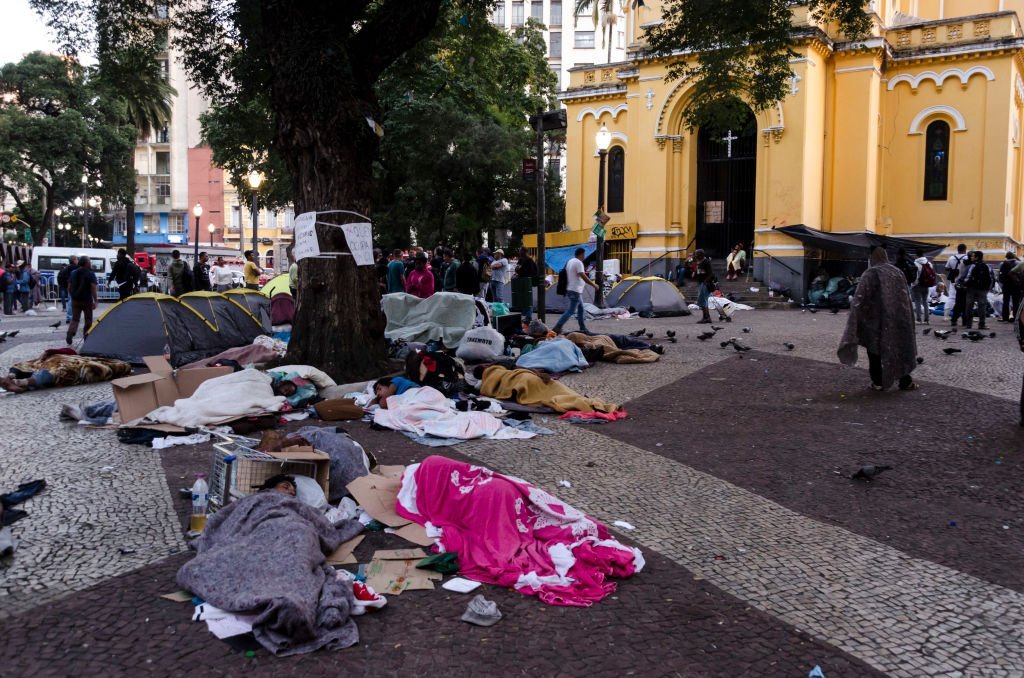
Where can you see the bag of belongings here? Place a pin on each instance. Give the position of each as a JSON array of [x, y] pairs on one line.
[[437, 370], [481, 344]]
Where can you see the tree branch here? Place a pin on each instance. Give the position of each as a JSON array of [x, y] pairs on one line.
[[392, 31]]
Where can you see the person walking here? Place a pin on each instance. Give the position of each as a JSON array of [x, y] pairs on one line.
[[84, 297], [975, 284], [955, 267], [705, 280], [201, 274], [62, 285], [123, 275], [526, 274], [501, 275], [576, 280], [882, 321], [251, 271], [396, 273], [179, 276], [1011, 284], [923, 282]]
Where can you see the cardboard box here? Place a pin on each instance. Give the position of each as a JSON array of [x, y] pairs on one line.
[[139, 395], [299, 460], [378, 496]]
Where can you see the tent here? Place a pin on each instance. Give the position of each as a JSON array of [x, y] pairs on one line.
[[556, 303], [255, 302], [282, 309], [557, 257], [152, 324], [232, 321], [858, 244], [277, 285], [650, 297]]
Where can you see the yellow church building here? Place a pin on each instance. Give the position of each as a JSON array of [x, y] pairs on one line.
[[913, 131]]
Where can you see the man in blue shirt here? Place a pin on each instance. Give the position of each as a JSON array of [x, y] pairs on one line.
[[82, 293], [396, 273]]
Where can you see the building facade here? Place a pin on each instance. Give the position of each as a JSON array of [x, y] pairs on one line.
[[913, 131], [274, 231]]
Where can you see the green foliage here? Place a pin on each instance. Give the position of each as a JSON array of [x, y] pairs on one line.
[[55, 126], [738, 50]]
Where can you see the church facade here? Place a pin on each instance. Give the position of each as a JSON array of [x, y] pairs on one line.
[[913, 131]]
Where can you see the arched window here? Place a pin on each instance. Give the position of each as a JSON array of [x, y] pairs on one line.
[[936, 161], [616, 179]]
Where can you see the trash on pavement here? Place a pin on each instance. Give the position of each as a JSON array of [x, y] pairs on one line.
[[482, 612]]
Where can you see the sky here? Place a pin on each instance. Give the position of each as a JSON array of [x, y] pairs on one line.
[[24, 31]]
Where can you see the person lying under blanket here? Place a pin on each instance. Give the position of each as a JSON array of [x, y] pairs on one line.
[[57, 367], [389, 386], [282, 483], [529, 388]]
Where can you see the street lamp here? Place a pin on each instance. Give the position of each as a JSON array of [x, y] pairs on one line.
[[255, 179], [603, 139], [53, 224], [198, 211], [211, 228]]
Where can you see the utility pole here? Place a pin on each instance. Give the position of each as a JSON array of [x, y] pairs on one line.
[[543, 122]]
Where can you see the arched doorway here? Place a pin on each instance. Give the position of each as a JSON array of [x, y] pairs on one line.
[[726, 170]]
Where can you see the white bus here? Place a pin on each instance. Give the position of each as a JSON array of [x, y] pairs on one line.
[[49, 260]]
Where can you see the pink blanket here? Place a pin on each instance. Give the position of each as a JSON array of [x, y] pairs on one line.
[[510, 533]]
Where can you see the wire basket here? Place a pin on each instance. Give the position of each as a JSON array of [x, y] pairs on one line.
[[238, 469]]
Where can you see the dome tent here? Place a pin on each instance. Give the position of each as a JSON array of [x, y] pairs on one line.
[[152, 324], [277, 285], [650, 297], [231, 320], [257, 303]]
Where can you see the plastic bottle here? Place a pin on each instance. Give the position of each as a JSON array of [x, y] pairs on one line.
[[200, 499]]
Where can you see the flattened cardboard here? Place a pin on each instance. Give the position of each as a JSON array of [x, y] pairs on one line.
[[391, 577], [390, 471], [343, 555], [178, 597], [415, 533], [399, 554], [378, 495], [139, 395]]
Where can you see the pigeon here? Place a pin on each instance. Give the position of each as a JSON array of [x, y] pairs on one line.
[[650, 335], [12, 335], [869, 472], [789, 346], [638, 333], [747, 330], [920, 360], [55, 325], [725, 343], [951, 351], [991, 335], [673, 340], [739, 346], [942, 334], [717, 327], [670, 333], [704, 336], [926, 331], [972, 336]]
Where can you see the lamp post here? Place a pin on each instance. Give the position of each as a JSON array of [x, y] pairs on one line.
[[255, 179], [198, 211], [53, 224], [603, 139], [211, 228], [80, 204]]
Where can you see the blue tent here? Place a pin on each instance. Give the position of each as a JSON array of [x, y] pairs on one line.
[[557, 257]]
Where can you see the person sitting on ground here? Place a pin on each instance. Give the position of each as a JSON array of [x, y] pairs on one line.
[[282, 483], [390, 386], [736, 262]]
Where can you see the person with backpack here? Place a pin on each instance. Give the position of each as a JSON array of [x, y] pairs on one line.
[[484, 273], [179, 275], [1011, 282], [923, 282], [975, 284], [576, 278], [955, 266]]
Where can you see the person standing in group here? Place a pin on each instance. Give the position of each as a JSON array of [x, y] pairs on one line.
[[704, 277], [882, 321], [122, 274], [483, 271], [396, 273], [178, 275], [62, 285], [975, 284], [955, 267], [222, 279], [467, 280], [7, 287], [437, 267], [251, 272], [526, 272], [35, 289], [576, 280], [1011, 284], [448, 269], [923, 282], [201, 274], [420, 282], [84, 297], [23, 280], [501, 275]]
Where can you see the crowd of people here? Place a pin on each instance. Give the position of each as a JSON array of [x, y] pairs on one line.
[[20, 287]]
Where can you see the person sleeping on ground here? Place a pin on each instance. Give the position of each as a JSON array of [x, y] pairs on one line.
[[57, 367], [526, 387], [389, 386]]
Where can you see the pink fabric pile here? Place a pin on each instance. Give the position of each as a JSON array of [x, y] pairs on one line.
[[510, 533]]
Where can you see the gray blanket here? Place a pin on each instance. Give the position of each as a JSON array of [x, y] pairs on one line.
[[348, 461], [264, 555]]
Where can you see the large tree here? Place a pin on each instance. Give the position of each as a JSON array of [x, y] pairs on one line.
[[320, 62], [737, 50], [55, 128]]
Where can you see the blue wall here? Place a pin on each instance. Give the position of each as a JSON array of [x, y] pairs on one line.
[[161, 238]]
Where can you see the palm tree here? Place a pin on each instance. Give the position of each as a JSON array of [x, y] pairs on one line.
[[606, 16], [133, 76]]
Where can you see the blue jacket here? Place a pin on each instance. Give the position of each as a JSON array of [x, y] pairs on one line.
[[23, 281]]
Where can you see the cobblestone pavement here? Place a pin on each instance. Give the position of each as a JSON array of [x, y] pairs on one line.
[[816, 583]]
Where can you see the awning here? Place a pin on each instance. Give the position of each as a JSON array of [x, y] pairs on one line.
[[858, 245], [557, 257]]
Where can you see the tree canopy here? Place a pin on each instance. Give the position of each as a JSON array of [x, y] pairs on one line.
[[736, 50]]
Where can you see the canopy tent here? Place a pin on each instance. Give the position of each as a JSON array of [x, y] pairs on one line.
[[231, 320], [650, 297], [556, 303], [858, 244], [255, 302], [277, 285], [153, 324], [557, 257]]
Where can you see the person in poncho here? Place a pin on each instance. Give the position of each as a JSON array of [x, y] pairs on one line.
[[882, 321]]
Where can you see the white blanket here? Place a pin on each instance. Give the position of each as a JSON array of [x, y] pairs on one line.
[[425, 411], [445, 316], [240, 394], [319, 378]]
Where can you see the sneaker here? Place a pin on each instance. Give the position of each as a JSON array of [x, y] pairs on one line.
[[366, 599]]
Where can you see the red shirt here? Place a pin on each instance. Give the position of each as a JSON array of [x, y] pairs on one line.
[[420, 283]]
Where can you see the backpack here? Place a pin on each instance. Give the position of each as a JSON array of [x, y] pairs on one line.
[[927, 276], [563, 283], [952, 273], [485, 271], [435, 369]]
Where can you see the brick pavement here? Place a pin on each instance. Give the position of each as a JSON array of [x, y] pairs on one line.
[[726, 600]]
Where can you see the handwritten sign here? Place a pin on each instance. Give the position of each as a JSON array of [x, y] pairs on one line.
[[360, 242], [714, 211], [306, 244]]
